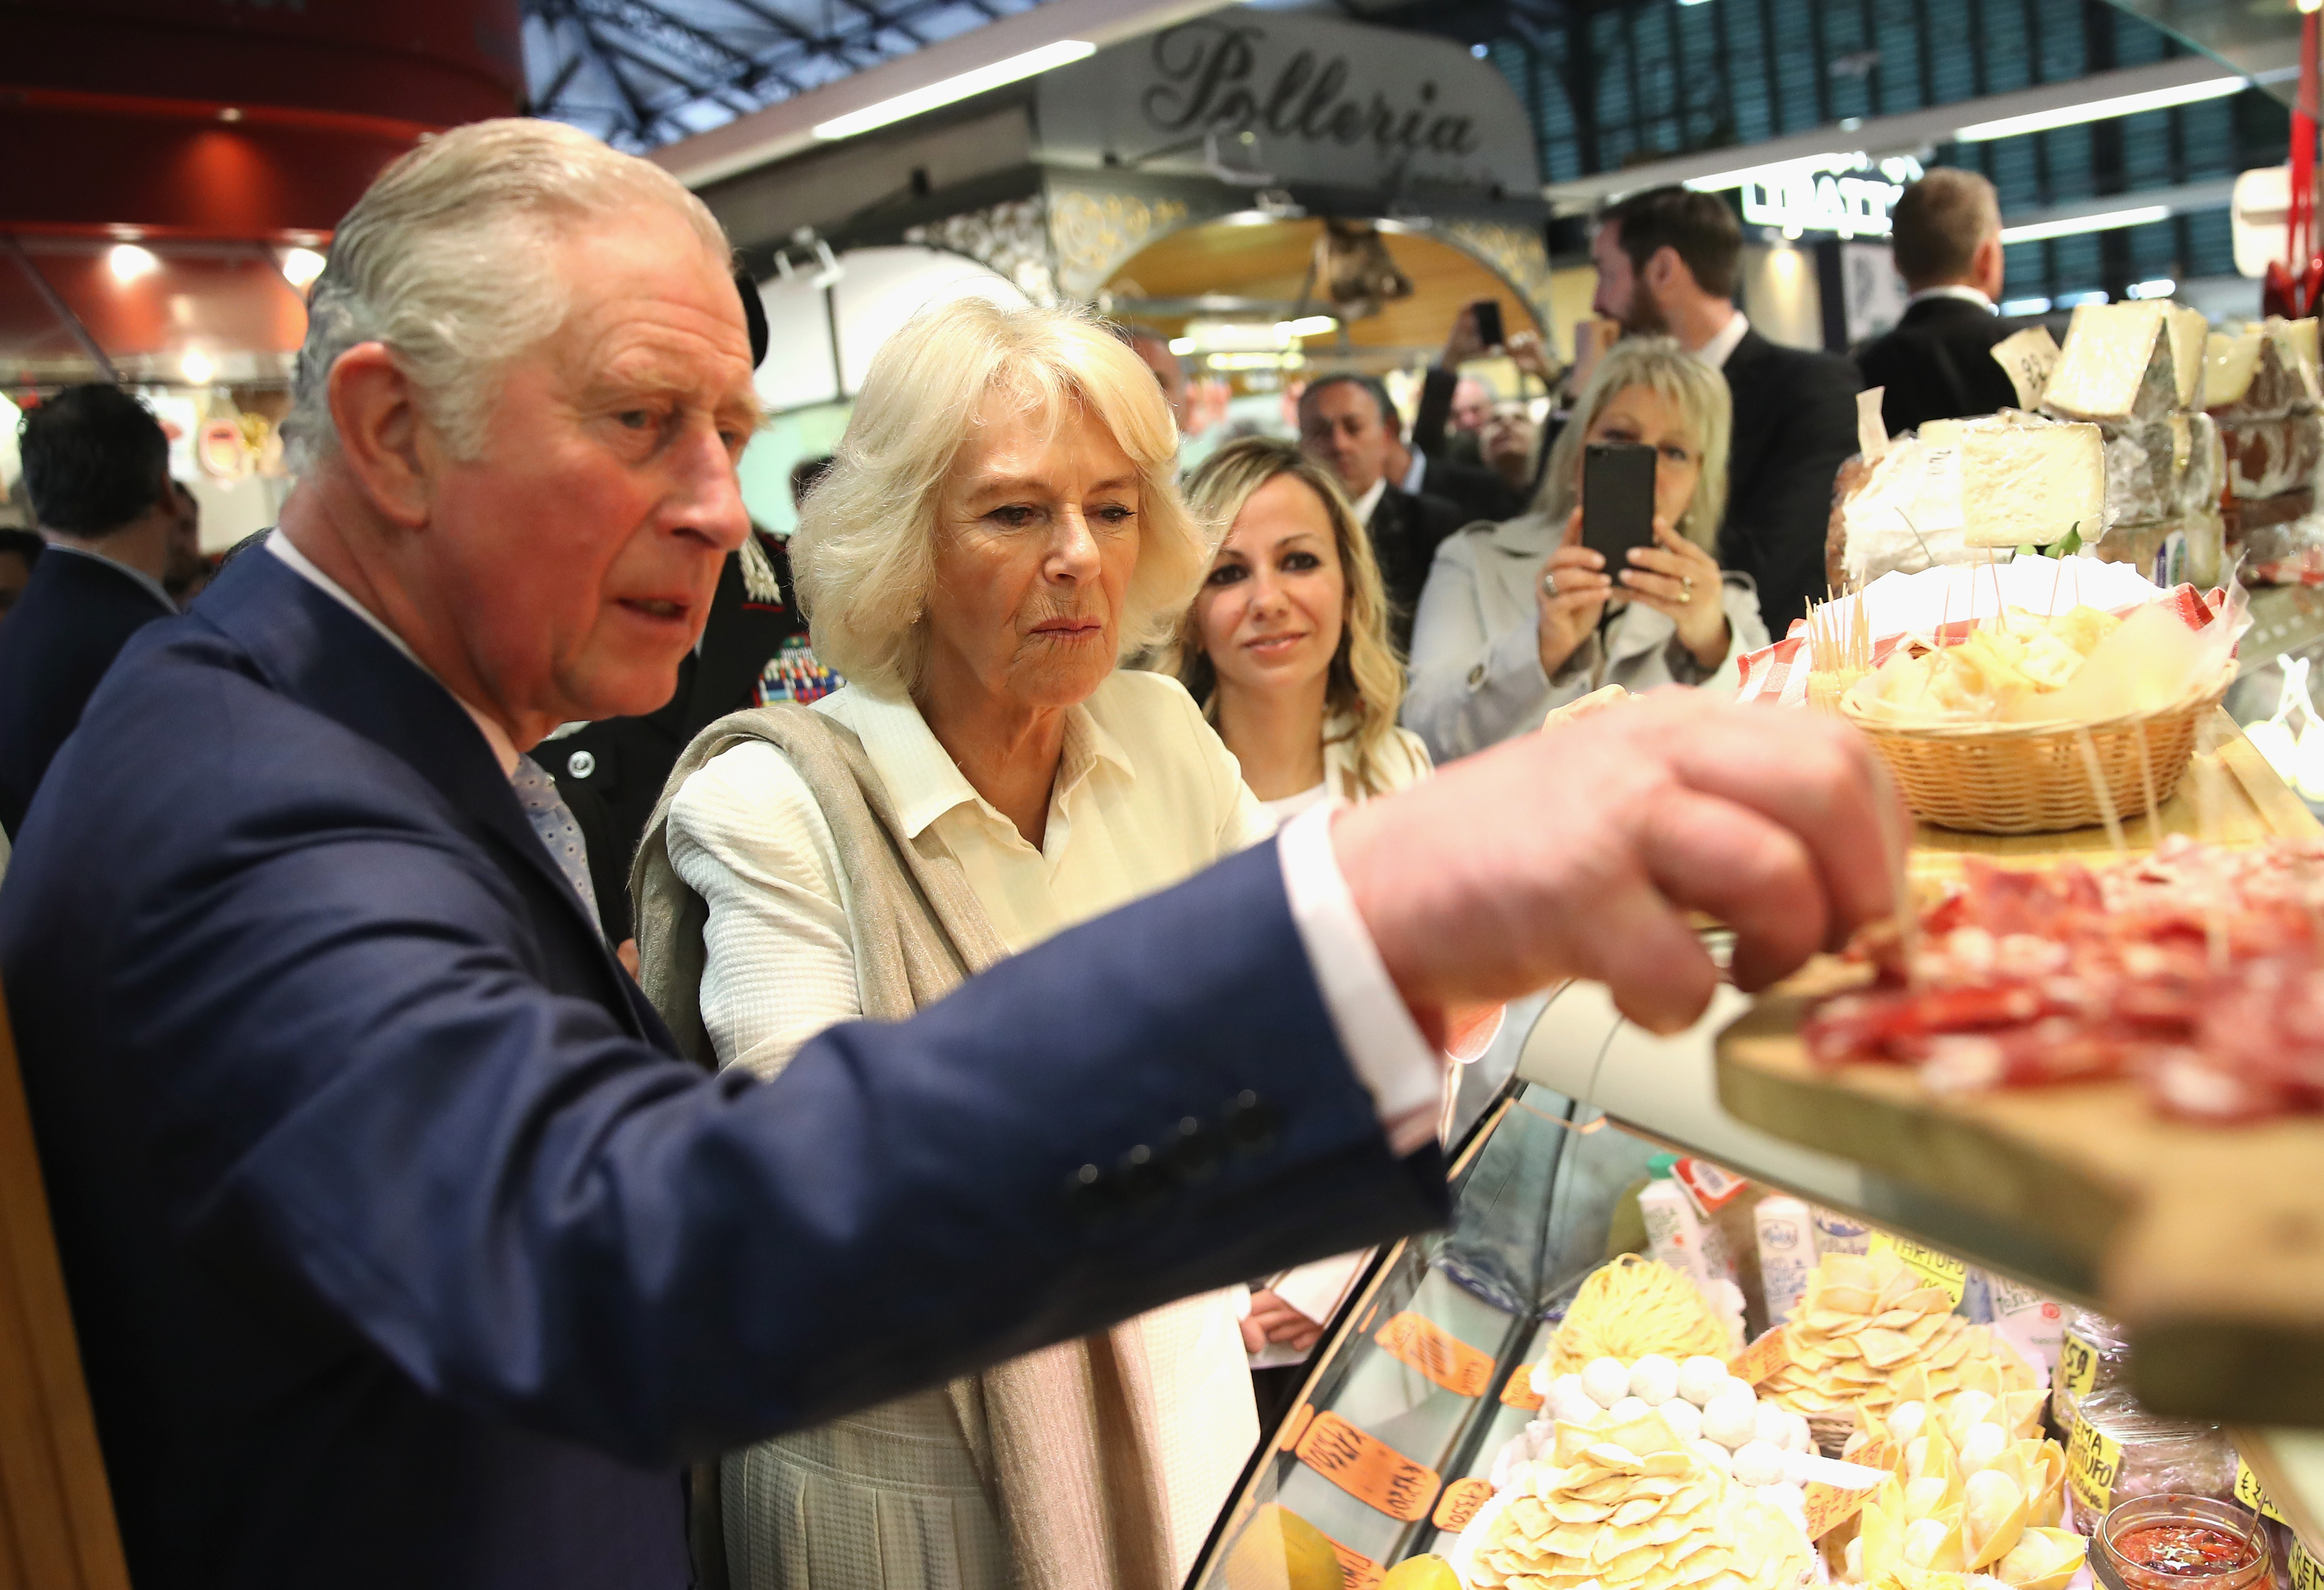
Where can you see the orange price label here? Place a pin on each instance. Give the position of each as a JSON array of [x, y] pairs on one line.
[[1762, 1357], [1359, 1572], [1437, 1353], [1518, 1391], [1295, 1425], [1458, 1504], [1830, 1506], [1367, 1468]]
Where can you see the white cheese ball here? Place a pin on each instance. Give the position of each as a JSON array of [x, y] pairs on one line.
[[1684, 1417], [1607, 1380], [1544, 1383], [1735, 1385], [1770, 1424], [1730, 1419], [1797, 1436], [1629, 1409], [1759, 1463], [1653, 1379], [1713, 1455], [1700, 1378], [1573, 1405]]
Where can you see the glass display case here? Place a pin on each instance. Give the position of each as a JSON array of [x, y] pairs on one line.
[[1427, 1373]]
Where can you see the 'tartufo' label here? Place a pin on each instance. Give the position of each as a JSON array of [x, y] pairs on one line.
[[1517, 1390], [1437, 1353], [1936, 1269], [1458, 1504], [2077, 1365], [1762, 1357], [1367, 1468], [1827, 1507], [2093, 1464]]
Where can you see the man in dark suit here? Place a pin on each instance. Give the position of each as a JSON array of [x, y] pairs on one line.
[[96, 469], [403, 1251], [1938, 363], [1348, 425], [1667, 264], [1478, 493]]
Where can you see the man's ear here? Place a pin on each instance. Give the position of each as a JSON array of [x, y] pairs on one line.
[[377, 414], [1664, 267], [1987, 271]]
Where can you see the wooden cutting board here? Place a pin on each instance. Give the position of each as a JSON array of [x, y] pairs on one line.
[[2206, 1241]]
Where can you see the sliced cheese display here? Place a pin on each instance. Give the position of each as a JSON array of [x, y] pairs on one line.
[[1869, 1333], [1627, 1503], [2125, 361], [2259, 372], [2028, 483]]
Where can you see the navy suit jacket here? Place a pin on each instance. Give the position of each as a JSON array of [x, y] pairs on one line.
[[1795, 426], [74, 618], [401, 1252]]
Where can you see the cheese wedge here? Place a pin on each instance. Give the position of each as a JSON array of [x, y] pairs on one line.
[[2258, 373], [2125, 361], [2029, 485]]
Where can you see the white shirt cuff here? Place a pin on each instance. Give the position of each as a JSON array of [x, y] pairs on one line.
[[1398, 1067]]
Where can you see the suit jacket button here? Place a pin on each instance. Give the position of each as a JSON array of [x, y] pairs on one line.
[[581, 763], [1090, 1192], [1194, 1152], [1476, 675], [1251, 1123], [1142, 1177]]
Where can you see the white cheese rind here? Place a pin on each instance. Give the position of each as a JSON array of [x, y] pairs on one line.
[[2030, 484]]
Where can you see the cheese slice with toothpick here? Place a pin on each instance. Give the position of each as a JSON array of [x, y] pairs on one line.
[[2029, 485]]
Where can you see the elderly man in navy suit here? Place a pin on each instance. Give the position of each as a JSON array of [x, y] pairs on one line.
[[401, 1251]]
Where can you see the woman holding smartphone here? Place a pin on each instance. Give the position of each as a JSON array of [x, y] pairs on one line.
[[1518, 618]]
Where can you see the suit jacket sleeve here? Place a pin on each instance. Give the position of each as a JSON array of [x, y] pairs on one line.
[[540, 1217], [1782, 511]]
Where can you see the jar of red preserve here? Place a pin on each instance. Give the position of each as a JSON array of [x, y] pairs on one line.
[[2179, 1542]]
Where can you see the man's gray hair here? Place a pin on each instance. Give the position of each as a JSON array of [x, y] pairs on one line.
[[449, 260]]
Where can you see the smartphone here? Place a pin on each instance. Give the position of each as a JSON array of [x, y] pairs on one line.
[[1617, 500], [1487, 312]]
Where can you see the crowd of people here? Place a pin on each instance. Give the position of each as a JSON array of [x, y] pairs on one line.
[[532, 982]]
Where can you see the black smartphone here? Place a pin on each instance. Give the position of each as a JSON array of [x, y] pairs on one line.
[[1487, 312], [1617, 500]]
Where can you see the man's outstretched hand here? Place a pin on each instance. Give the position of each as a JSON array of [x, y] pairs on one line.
[[1578, 853]]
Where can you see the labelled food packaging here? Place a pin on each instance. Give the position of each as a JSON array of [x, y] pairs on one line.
[[1787, 1253], [1676, 1235], [1835, 1233]]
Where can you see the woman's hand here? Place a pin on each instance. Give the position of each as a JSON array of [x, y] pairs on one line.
[[1274, 1320], [1681, 580], [1571, 596]]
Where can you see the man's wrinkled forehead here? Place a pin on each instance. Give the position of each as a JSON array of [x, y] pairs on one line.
[[664, 319]]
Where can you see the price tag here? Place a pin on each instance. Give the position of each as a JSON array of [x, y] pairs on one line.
[[2254, 1495], [1830, 1506], [1935, 1268], [1762, 1357], [1458, 1504], [1517, 1390], [1367, 1468], [2030, 357], [2093, 1464], [1359, 1572], [1437, 1353], [1295, 1425], [2077, 1365]]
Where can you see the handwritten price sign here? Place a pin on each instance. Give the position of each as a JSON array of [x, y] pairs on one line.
[[1359, 1572], [1367, 1468], [1830, 1506], [1762, 1358], [1437, 1353], [1519, 1393], [1458, 1504]]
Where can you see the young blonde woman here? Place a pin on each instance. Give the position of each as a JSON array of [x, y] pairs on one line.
[[1286, 648], [1518, 618], [1287, 645]]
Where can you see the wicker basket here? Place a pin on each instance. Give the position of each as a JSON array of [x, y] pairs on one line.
[[2036, 778]]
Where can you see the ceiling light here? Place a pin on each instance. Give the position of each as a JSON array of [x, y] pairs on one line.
[[300, 266], [1720, 181], [197, 369], [2025, 305], [2105, 221], [1182, 346], [2075, 301], [1305, 325], [2099, 110], [1032, 63], [2162, 287], [129, 261]]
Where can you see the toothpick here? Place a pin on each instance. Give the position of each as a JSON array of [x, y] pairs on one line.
[[2106, 796], [2053, 586]]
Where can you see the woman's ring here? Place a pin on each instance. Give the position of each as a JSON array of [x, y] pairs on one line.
[[1685, 596], [1688, 581], [1549, 582]]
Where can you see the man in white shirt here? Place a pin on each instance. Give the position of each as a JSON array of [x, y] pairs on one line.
[[1938, 362], [402, 1248], [1667, 265]]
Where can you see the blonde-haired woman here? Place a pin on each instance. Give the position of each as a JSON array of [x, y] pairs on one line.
[[1518, 618], [1287, 646], [1000, 527]]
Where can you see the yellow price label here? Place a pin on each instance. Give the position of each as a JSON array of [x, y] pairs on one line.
[[2305, 1574], [2093, 1464], [1935, 1268], [2253, 1495], [2077, 1365]]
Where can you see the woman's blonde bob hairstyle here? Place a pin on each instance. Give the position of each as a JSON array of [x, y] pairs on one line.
[[1694, 389], [1367, 678], [865, 554]]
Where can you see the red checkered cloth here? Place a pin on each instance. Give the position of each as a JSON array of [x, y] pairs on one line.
[[1778, 674]]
